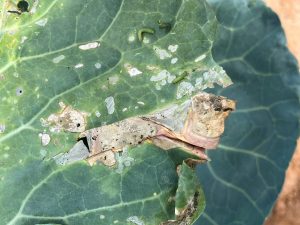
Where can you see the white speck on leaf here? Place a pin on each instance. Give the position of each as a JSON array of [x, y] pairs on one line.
[[135, 220], [184, 88], [16, 74], [123, 160], [141, 103], [124, 109], [110, 104], [79, 65], [45, 138], [58, 59], [132, 70], [98, 65], [162, 53], [43, 152], [209, 78], [157, 86], [2, 128], [90, 45], [151, 67], [62, 105], [102, 217], [146, 40], [23, 39], [113, 80], [162, 78], [199, 58], [34, 6], [174, 60], [116, 221], [98, 114], [172, 48], [131, 37], [42, 22]]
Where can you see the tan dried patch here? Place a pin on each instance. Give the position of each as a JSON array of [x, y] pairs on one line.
[[194, 126], [107, 158], [68, 119]]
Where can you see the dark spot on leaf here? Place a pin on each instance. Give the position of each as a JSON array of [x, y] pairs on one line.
[[78, 124], [23, 6], [13, 11], [19, 91]]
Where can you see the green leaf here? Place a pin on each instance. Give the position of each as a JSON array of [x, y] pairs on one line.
[[246, 174], [188, 193], [80, 194], [84, 53]]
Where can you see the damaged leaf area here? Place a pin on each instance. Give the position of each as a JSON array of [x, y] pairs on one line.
[[117, 84], [194, 125]]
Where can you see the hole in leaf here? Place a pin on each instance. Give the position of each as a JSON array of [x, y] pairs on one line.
[[85, 142], [19, 91]]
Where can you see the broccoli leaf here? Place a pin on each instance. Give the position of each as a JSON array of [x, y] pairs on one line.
[[107, 60], [246, 174]]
